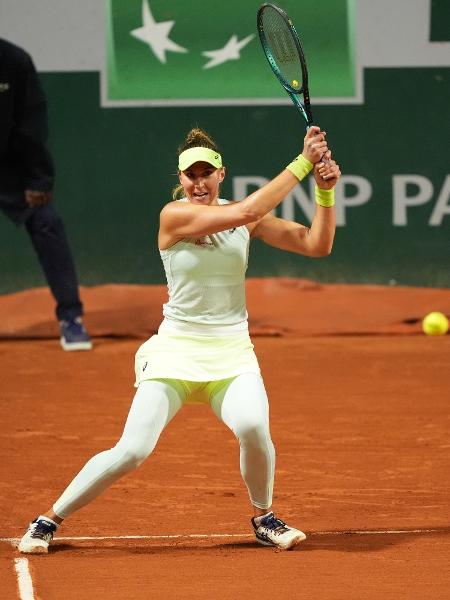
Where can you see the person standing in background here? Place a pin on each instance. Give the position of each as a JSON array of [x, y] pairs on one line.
[[26, 186]]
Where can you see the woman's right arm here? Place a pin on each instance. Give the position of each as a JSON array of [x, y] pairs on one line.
[[184, 219]]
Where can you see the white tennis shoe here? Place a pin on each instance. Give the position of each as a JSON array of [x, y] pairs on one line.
[[271, 531], [37, 537]]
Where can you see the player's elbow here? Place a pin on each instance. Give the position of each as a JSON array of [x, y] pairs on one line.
[[322, 249], [325, 251], [319, 246], [250, 214], [249, 210]]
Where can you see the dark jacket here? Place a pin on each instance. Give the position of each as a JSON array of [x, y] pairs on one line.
[[25, 162]]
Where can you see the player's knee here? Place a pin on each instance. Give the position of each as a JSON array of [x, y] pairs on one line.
[[255, 434], [132, 456]]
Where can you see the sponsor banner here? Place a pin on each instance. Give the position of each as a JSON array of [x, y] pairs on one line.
[[161, 52]]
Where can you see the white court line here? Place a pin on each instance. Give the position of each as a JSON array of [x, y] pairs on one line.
[[24, 579], [234, 535]]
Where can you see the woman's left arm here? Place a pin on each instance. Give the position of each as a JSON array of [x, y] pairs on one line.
[[316, 240]]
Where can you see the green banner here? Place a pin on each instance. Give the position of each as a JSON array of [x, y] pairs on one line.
[[161, 52], [439, 23]]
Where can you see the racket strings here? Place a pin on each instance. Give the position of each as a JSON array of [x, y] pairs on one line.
[[282, 47]]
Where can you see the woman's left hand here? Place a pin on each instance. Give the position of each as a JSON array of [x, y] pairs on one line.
[[326, 172]]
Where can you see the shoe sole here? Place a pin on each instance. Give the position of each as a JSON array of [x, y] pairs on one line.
[[33, 550], [292, 544], [75, 347]]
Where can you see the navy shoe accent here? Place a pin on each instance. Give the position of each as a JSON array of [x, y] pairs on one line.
[[74, 336], [37, 537], [271, 531]]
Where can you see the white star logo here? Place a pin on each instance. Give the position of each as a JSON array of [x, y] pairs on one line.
[[156, 35], [231, 51]]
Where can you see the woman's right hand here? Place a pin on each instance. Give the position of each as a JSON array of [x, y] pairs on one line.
[[315, 144]]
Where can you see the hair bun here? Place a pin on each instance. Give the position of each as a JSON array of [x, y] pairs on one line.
[[198, 137]]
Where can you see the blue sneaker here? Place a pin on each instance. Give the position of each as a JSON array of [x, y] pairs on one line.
[[37, 537], [74, 336], [271, 531]]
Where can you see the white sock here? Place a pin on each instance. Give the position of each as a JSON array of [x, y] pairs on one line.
[[44, 518]]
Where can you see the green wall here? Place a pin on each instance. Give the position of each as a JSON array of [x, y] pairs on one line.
[[116, 167]]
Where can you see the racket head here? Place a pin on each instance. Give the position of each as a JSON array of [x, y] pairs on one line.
[[281, 45]]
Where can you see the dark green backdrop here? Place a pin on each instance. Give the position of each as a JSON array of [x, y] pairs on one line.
[[115, 170]]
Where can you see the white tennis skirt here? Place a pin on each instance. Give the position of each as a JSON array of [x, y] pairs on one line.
[[195, 355]]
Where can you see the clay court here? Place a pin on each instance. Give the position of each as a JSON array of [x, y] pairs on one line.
[[359, 411]]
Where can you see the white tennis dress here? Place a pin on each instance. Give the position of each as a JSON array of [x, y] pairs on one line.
[[204, 335]]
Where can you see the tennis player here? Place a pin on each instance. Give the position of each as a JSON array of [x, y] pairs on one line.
[[202, 351]]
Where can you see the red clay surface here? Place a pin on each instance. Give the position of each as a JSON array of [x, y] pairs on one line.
[[360, 424], [281, 306]]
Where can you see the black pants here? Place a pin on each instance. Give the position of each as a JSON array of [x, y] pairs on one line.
[[48, 237]]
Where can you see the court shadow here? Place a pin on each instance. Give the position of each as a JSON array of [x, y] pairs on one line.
[[365, 542], [145, 547], [338, 541]]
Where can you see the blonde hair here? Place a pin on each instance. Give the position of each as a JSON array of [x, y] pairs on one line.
[[195, 137]]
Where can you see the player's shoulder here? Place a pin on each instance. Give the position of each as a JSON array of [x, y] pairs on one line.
[[173, 203], [172, 207]]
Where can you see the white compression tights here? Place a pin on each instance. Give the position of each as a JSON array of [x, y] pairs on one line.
[[241, 403]]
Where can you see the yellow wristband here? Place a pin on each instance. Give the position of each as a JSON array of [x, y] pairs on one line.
[[300, 167], [324, 197]]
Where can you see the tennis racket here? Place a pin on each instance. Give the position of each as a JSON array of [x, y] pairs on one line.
[[281, 45]]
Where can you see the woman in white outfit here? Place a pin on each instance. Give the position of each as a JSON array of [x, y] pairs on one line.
[[202, 351]]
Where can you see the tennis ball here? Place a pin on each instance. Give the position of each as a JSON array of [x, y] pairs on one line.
[[435, 323], [294, 83]]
